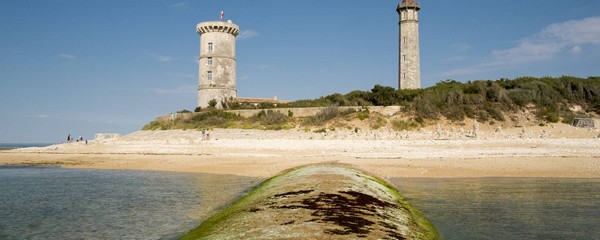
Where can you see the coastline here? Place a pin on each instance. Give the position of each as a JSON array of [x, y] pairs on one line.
[[263, 154]]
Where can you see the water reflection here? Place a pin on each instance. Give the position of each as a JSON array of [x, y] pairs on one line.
[[508, 208]]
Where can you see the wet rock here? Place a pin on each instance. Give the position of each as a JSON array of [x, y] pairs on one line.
[[319, 202]]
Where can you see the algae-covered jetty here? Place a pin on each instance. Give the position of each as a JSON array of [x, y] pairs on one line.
[[323, 201]]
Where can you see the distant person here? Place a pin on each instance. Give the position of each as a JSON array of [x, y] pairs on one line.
[[69, 138], [207, 135], [203, 134]]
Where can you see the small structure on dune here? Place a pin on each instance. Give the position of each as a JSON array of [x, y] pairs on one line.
[[584, 123]]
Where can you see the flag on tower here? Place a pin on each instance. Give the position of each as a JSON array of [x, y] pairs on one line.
[[222, 15]]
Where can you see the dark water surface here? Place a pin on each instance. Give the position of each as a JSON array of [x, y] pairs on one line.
[[7, 146], [507, 208], [55, 203]]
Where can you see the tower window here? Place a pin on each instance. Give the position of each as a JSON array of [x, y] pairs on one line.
[[403, 57], [210, 47], [209, 75], [209, 61]]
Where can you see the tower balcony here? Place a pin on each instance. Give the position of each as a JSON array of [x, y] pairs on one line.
[[218, 26], [408, 4]]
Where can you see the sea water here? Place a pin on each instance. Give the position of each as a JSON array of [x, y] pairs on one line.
[[507, 208], [55, 203], [8, 146]]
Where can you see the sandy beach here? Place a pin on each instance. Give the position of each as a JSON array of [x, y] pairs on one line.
[[553, 151]]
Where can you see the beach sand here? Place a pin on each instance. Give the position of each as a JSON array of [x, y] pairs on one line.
[[558, 151]]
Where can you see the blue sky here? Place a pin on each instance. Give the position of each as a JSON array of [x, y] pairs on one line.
[[85, 67]]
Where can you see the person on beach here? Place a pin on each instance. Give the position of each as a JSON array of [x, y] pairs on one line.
[[207, 135], [69, 138], [203, 134]]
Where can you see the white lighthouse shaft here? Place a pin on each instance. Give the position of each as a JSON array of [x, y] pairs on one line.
[[409, 72]]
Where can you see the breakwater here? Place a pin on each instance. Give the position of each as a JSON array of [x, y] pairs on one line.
[[321, 201]]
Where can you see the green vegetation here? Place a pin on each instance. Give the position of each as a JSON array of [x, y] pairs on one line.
[[328, 113], [401, 125], [549, 99], [266, 120], [362, 115], [419, 224], [484, 100], [272, 120]]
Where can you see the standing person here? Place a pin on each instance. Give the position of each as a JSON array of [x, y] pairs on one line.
[[203, 134], [69, 138], [207, 135]]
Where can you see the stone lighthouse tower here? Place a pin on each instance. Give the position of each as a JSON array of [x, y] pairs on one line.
[[409, 74], [217, 62]]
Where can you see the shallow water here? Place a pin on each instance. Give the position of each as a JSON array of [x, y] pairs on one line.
[[55, 203], [507, 208]]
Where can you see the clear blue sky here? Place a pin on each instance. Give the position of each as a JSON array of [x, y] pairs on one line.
[[84, 67]]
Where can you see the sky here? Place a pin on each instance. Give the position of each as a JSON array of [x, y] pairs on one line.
[[111, 66]]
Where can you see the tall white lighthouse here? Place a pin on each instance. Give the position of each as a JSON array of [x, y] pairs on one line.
[[409, 72]]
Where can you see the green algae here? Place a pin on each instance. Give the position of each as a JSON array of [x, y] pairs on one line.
[[342, 209], [420, 224], [204, 230]]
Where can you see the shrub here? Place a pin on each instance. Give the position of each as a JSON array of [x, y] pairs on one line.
[[154, 125], [338, 100], [494, 112], [212, 103], [215, 118], [359, 98], [401, 125], [455, 114], [470, 112], [408, 95], [568, 119], [383, 96], [324, 115], [521, 97], [380, 122], [270, 117], [320, 130], [549, 115], [362, 115]]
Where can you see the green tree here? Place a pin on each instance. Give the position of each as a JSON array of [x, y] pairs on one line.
[[383, 96]]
